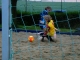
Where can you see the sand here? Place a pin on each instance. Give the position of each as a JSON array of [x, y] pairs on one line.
[[67, 47]]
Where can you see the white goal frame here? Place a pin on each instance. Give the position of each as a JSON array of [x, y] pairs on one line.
[[5, 29]]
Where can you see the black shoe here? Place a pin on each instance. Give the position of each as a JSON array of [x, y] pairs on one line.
[[42, 40], [52, 40]]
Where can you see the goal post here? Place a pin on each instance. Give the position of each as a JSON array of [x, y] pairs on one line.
[[5, 29]]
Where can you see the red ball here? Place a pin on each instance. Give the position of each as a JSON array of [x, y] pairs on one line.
[[31, 38]]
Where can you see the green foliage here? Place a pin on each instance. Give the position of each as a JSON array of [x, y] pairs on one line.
[[0, 17], [71, 20], [27, 18], [23, 12], [61, 21], [66, 30], [0, 26], [30, 27], [38, 28]]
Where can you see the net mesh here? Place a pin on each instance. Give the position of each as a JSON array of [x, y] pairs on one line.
[[67, 47]]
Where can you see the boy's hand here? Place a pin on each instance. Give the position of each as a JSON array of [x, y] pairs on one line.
[[57, 30], [41, 22]]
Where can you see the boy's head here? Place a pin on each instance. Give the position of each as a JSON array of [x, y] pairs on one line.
[[47, 18], [49, 9]]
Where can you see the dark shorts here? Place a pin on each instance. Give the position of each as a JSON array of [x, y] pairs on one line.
[[47, 36], [41, 27]]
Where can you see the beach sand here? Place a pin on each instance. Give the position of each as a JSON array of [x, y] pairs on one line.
[[67, 47]]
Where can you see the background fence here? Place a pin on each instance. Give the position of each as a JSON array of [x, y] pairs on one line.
[[33, 6]]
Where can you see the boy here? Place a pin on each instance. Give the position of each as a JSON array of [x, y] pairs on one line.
[[50, 28], [43, 13]]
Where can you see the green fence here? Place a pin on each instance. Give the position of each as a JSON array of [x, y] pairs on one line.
[[39, 6]]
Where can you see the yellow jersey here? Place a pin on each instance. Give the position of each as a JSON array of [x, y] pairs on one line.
[[51, 26]]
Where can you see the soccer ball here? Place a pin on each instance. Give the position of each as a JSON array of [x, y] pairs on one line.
[[31, 38]]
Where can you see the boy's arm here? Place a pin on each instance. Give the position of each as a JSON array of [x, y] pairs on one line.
[[42, 22], [57, 29], [47, 28]]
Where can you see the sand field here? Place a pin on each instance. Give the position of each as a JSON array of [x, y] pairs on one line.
[[67, 47]]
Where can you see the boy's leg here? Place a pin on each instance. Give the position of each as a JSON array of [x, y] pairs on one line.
[[54, 35], [44, 30], [49, 38], [41, 34], [42, 39]]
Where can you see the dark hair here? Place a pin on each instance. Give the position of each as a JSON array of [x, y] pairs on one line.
[[48, 8]]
